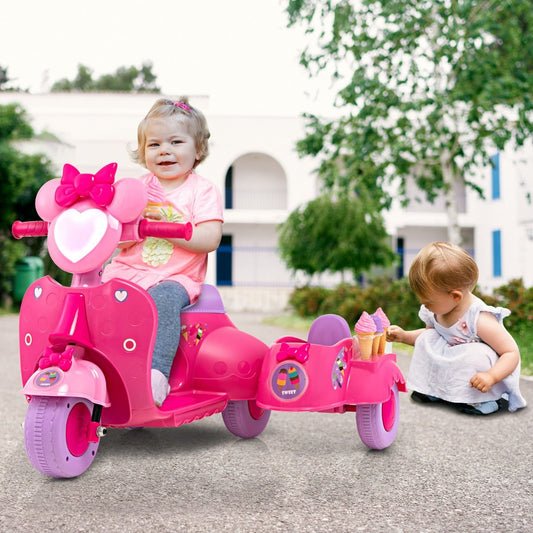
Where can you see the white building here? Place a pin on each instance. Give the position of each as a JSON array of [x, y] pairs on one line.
[[254, 163], [496, 230]]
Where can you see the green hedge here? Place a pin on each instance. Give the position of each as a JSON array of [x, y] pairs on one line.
[[401, 305]]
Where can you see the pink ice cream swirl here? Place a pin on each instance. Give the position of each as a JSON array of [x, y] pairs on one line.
[[156, 194], [365, 324]]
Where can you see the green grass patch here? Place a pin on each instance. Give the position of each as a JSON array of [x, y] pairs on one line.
[[524, 339], [298, 323]]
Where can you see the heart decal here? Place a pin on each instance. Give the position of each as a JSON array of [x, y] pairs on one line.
[[121, 295], [77, 234]]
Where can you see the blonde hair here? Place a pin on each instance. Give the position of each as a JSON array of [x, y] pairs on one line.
[[181, 111], [442, 266]]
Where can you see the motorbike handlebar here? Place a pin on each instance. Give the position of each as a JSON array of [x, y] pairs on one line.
[[165, 230], [146, 228], [35, 228]]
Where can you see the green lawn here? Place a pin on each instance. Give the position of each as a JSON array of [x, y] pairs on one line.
[[525, 343]]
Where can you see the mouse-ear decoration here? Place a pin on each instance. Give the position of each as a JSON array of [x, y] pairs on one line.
[[45, 203], [129, 200]]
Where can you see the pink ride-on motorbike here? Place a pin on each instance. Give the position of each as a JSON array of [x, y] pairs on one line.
[[86, 349]]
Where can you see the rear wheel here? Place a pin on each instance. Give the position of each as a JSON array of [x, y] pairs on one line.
[[377, 423], [56, 435], [245, 419]]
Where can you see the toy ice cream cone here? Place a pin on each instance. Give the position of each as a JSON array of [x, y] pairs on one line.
[[156, 198], [385, 322], [365, 329], [366, 341], [377, 337], [382, 343], [152, 208]]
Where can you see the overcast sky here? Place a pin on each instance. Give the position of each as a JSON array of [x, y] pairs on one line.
[[239, 52]]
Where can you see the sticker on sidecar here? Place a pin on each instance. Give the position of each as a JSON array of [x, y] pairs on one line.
[[47, 378], [289, 381], [338, 371]]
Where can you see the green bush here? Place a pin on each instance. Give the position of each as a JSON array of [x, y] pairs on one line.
[[399, 302], [349, 301], [401, 306]]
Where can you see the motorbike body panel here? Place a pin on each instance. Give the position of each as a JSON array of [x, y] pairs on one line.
[[117, 322], [113, 329]]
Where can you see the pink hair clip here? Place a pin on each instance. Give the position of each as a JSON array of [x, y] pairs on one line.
[[183, 106]]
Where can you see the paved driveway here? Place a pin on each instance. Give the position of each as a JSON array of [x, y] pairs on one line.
[[307, 472]]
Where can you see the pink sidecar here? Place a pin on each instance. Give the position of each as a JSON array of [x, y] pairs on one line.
[[326, 374]]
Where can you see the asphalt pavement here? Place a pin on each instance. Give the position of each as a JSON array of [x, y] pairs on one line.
[[307, 472]]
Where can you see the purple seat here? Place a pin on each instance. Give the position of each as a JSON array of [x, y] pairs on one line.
[[209, 301], [328, 330]]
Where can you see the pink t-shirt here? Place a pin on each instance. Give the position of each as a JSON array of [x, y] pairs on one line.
[[154, 260]]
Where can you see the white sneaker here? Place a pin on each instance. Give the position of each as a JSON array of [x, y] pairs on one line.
[[160, 387]]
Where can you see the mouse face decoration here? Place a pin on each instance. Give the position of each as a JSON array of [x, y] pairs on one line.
[[86, 213]]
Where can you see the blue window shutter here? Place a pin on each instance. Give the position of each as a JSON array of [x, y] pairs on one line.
[[497, 253], [495, 176]]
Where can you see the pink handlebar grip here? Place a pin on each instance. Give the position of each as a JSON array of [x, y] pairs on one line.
[[165, 230], [36, 228]]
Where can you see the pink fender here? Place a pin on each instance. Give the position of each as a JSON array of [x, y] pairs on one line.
[[83, 380]]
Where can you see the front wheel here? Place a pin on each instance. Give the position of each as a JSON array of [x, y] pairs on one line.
[[245, 419], [377, 423], [55, 432]]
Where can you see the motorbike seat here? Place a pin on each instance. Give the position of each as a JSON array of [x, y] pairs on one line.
[[328, 330], [209, 301]]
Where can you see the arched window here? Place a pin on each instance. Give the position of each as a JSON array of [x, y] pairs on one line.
[[255, 181]]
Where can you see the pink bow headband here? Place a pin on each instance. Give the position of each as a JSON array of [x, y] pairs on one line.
[[183, 106]]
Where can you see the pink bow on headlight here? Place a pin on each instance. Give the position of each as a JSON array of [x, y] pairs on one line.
[[98, 187]]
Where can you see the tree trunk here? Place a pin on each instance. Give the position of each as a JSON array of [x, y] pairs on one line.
[[450, 200]]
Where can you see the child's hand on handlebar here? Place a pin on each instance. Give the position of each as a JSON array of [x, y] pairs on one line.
[[151, 214]]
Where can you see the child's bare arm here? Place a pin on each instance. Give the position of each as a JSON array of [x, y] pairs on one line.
[[398, 334], [499, 339]]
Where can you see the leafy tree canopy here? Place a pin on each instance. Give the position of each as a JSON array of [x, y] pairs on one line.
[[428, 90], [124, 79], [21, 176], [328, 235]]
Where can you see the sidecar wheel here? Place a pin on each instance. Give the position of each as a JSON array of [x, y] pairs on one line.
[[377, 423], [55, 433], [245, 419]]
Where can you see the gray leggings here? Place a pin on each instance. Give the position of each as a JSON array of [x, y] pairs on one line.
[[170, 298]]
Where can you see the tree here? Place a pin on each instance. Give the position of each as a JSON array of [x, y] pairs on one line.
[[329, 235], [126, 79], [21, 176], [6, 81], [428, 90]]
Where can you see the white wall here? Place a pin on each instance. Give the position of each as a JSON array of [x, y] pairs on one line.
[[511, 213]]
